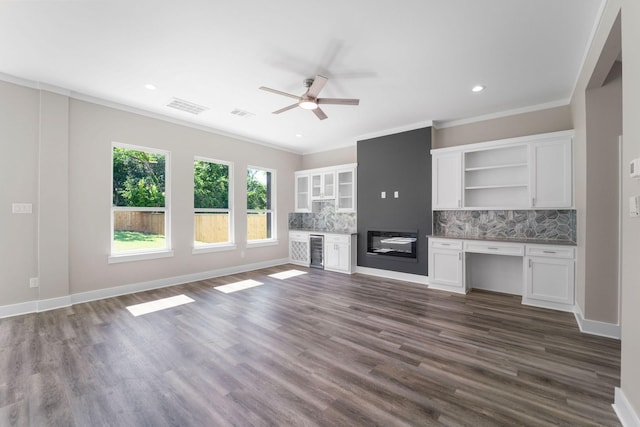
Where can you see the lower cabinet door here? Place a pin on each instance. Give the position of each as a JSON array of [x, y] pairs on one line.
[[337, 257], [446, 269], [550, 280], [299, 252]]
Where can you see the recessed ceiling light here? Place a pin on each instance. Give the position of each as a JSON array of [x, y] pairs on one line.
[[150, 86], [298, 135], [477, 88]]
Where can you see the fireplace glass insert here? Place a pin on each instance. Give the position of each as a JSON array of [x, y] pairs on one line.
[[392, 243]]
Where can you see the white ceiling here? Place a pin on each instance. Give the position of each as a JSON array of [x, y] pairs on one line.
[[409, 61]]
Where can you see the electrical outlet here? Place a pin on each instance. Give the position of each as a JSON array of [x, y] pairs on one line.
[[34, 282]]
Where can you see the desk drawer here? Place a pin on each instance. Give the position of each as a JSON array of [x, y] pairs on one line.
[[551, 251], [446, 243], [497, 248]]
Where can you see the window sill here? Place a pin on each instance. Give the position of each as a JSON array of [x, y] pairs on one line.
[[213, 248], [131, 257], [262, 243]]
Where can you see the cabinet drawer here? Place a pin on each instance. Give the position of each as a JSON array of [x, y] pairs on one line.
[[498, 248], [446, 243], [342, 239], [298, 235], [551, 251]]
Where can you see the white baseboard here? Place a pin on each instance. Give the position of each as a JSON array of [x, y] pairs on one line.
[[53, 303], [594, 327], [452, 289], [66, 301], [548, 304], [625, 412], [396, 275], [18, 309]]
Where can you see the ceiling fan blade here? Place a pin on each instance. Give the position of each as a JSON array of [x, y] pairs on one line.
[[318, 112], [279, 92], [287, 108], [317, 85], [338, 101]]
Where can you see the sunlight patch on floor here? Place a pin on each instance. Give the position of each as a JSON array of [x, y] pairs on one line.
[[287, 274], [238, 286], [157, 305]]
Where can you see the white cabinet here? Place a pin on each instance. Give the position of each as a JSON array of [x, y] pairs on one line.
[[346, 201], [299, 248], [446, 180], [549, 277], [303, 199], [532, 172], [323, 185], [335, 185], [446, 265], [339, 252], [551, 173]]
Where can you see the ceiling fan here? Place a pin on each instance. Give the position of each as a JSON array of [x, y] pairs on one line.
[[309, 100]]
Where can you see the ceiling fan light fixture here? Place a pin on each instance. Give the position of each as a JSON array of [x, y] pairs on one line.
[[308, 104]]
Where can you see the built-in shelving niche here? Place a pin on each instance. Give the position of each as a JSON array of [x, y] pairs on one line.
[[496, 178]]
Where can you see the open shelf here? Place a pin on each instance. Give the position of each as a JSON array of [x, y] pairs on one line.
[[486, 187], [497, 177], [505, 166]]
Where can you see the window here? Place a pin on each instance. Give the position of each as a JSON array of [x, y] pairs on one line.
[[139, 214], [260, 202], [212, 203]]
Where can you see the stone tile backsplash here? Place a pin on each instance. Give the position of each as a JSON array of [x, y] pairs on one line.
[[326, 219], [507, 224]]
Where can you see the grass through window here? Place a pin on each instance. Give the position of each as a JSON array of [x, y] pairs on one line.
[[134, 240]]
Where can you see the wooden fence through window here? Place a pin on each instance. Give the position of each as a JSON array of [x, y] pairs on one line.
[[209, 228]]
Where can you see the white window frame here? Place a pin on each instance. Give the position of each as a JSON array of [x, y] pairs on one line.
[[143, 254], [273, 240], [230, 244]]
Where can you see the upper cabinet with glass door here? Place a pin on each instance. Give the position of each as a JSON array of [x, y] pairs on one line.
[[303, 197], [346, 200], [323, 185], [336, 184]]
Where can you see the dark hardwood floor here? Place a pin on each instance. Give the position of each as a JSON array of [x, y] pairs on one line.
[[317, 349]]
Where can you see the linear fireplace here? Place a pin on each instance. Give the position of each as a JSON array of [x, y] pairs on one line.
[[392, 243]]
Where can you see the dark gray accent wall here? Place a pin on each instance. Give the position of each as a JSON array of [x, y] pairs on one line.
[[399, 162]]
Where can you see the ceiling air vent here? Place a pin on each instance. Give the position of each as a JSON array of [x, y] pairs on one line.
[[189, 107], [242, 113]]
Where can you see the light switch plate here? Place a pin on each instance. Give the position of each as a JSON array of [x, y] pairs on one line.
[[22, 208], [383, 195], [634, 206]]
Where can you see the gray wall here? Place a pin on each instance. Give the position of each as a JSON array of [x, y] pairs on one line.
[[399, 162], [630, 372], [604, 126], [339, 156], [529, 123]]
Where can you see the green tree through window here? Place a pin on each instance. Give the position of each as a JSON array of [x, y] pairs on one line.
[[138, 178], [139, 200], [260, 215], [212, 202]]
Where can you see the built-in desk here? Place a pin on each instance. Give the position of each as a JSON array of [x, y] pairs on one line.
[[542, 274]]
